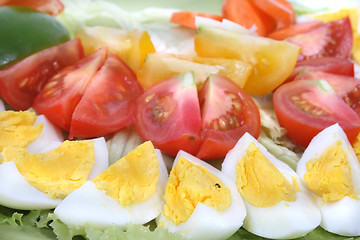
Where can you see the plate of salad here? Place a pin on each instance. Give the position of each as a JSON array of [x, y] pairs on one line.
[[221, 119]]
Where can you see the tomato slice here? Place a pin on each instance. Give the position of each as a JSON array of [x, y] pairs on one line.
[[304, 108], [52, 7], [347, 88], [247, 14], [22, 81], [333, 39], [326, 64], [281, 10], [168, 114], [62, 93], [227, 113], [188, 18], [108, 103]]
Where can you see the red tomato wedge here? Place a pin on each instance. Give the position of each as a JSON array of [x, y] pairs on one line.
[[304, 108], [108, 103], [227, 113], [326, 64], [187, 18], [281, 10], [62, 93], [52, 7], [22, 81], [292, 30], [333, 39], [168, 114], [347, 88], [247, 14]]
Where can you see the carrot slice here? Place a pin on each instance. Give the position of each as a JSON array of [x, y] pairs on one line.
[[293, 30], [187, 18], [245, 13], [281, 10]]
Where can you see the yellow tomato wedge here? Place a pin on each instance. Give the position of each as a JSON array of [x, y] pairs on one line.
[[131, 46], [273, 61], [159, 66], [354, 16]]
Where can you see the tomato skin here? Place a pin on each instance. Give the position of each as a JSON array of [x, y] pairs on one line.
[[333, 39], [303, 120], [326, 64], [62, 93], [187, 18], [292, 30], [99, 114], [52, 7], [223, 101], [22, 81], [168, 114]]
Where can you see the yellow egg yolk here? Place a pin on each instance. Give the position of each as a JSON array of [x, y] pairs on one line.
[[354, 16], [356, 146], [259, 182], [329, 176], [17, 130], [133, 178], [57, 172], [190, 184]]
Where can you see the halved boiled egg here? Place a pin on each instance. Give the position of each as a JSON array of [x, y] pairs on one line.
[[129, 191], [30, 181], [200, 201], [277, 202], [331, 170], [25, 129]]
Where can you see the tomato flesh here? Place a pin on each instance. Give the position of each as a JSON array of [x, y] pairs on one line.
[[333, 39], [168, 114], [227, 113], [62, 93], [52, 7], [22, 81], [98, 114], [304, 108]]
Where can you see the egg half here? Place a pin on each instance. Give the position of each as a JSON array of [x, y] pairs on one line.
[[331, 170], [33, 181], [278, 204], [129, 191], [200, 201]]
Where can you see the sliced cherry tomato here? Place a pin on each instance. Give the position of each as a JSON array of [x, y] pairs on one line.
[[22, 81], [333, 39], [293, 30], [108, 103], [304, 108], [227, 113], [326, 64], [247, 14], [347, 88], [187, 18], [281, 10], [168, 114], [62, 93], [52, 7]]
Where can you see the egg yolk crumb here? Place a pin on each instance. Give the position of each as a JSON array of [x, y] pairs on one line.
[[57, 172], [190, 184], [356, 146], [329, 176], [17, 130], [133, 178], [259, 182]]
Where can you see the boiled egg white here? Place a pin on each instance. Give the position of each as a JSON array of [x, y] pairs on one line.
[[2, 106], [200, 201], [31, 181], [130, 191], [278, 204], [331, 170]]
